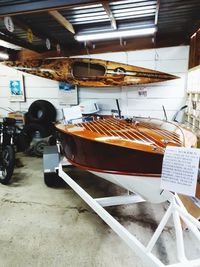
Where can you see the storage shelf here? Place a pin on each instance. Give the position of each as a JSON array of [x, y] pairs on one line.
[[192, 114]]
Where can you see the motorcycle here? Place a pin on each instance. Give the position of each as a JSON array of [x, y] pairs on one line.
[[7, 149]]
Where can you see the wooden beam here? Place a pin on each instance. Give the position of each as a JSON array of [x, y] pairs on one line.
[[191, 207], [114, 46], [25, 54], [17, 8], [194, 57], [62, 20], [133, 44], [110, 15]]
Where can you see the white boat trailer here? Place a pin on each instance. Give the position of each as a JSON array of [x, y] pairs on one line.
[[176, 209]]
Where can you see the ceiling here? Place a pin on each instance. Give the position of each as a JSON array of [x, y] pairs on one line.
[[60, 21]]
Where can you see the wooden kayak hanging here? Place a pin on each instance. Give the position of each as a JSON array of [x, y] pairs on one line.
[[90, 72]]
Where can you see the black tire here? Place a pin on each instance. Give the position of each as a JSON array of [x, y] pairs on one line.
[[22, 141], [51, 179], [41, 111], [39, 147], [32, 129], [7, 164], [52, 140]]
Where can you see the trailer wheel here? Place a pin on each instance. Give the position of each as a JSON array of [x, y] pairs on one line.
[[51, 179], [39, 147]]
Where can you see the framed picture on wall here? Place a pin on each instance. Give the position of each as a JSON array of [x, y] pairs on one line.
[[16, 88], [68, 94]]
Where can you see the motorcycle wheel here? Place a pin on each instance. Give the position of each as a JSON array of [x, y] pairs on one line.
[[7, 164]]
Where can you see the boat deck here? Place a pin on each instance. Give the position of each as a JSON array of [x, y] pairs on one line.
[[131, 133]]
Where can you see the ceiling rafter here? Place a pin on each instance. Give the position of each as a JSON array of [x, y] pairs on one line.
[[62, 20], [110, 14]]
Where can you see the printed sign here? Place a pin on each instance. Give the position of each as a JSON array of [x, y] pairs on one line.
[[180, 170], [72, 114], [16, 88], [68, 94]]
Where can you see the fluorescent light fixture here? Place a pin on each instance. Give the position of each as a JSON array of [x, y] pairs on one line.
[[90, 18], [100, 13], [4, 56], [115, 34], [88, 21], [9, 45]]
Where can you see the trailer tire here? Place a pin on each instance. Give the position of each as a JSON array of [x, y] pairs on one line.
[[39, 147], [51, 179]]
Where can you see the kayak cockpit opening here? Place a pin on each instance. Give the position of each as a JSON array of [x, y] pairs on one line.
[[86, 69]]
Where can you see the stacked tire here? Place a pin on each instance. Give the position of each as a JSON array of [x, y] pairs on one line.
[[39, 123]]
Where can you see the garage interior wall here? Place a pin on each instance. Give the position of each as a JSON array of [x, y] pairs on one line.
[[170, 94]]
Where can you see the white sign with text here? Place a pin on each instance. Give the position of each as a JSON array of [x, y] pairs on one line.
[[180, 170]]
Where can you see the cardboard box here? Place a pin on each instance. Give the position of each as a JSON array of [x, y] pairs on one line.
[[18, 116]]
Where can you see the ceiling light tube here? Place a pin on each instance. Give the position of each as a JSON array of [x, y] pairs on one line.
[[9, 45], [4, 56], [115, 34]]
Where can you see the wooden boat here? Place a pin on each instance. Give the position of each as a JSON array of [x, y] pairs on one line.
[[90, 72], [128, 153]]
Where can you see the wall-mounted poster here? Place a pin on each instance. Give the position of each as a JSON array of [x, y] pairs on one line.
[[68, 94], [16, 88]]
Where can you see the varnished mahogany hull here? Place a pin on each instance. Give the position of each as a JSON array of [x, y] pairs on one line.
[[128, 153], [102, 157], [90, 72]]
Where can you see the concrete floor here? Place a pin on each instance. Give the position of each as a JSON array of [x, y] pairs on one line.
[[43, 226]]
